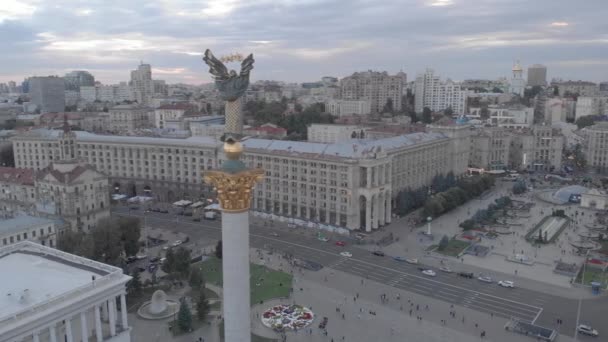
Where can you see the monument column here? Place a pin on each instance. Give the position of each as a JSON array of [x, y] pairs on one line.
[[234, 183]]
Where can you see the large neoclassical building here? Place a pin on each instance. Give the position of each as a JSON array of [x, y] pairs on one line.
[[348, 184]]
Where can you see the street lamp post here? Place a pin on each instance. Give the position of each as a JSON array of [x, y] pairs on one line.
[[428, 225], [580, 299]]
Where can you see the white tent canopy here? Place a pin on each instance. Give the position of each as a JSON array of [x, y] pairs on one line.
[[214, 206], [197, 204], [182, 203]]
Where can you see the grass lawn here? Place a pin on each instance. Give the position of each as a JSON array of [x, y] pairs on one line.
[[454, 248], [591, 275], [265, 283]]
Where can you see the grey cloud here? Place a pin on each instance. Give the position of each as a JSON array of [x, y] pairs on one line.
[[309, 39]]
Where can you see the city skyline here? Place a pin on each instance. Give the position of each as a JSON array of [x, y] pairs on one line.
[[303, 41]]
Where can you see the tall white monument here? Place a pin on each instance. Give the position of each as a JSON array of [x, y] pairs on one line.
[[518, 84], [234, 183]]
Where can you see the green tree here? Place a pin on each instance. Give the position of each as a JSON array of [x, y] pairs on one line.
[[484, 113], [519, 187], [433, 207], [427, 115], [134, 285], [7, 157], [413, 116], [76, 242], [130, 232], [184, 317], [218, 249], [467, 224], [443, 243], [448, 112], [496, 90], [107, 246], [196, 278], [585, 121], [388, 106], [169, 265], [202, 305]]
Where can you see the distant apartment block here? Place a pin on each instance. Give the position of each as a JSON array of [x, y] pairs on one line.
[[537, 75], [379, 88], [431, 92], [48, 93], [128, 118], [338, 107]]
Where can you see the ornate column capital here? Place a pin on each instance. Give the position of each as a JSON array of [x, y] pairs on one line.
[[234, 189]]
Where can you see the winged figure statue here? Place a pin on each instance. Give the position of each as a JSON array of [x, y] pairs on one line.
[[230, 84]]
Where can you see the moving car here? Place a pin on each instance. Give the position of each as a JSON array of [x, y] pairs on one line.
[[485, 279], [323, 238], [274, 234], [154, 259], [587, 330], [429, 273], [378, 253], [131, 259], [413, 261], [346, 254], [506, 283], [340, 243], [466, 275], [445, 269], [140, 256], [398, 258], [177, 243]]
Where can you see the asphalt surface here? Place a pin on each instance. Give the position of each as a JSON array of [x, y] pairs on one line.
[[531, 305]]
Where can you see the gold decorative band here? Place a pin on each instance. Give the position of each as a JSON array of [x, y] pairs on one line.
[[234, 191]]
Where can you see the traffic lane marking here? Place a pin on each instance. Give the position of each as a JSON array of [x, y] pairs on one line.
[[500, 311], [361, 262]]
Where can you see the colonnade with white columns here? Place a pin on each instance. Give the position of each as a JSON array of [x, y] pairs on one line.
[[99, 323]]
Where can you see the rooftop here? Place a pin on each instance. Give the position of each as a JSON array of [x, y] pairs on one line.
[[16, 175], [19, 223], [67, 278], [82, 136], [353, 149]]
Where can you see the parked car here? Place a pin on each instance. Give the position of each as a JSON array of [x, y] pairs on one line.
[[154, 260], [274, 234], [445, 269], [131, 259], [340, 243], [506, 283], [141, 269], [587, 330], [177, 243], [485, 279], [323, 238], [196, 219], [378, 253], [152, 268], [466, 275], [429, 273], [412, 261], [398, 258], [141, 256], [346, 254]]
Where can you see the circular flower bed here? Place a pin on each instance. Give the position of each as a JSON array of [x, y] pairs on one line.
[[287, 316]]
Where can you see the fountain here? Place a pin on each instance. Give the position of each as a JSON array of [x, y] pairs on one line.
[[159, 307]]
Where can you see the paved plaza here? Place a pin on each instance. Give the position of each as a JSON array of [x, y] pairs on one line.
[[541, 295]]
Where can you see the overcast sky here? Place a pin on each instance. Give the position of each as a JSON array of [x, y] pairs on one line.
[[303, 40]]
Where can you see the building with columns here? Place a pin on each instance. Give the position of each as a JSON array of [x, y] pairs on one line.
[[79, 299], [331, 183]]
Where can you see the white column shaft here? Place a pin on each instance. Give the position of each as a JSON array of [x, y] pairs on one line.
[[123, 311], [98, 331], [36, 337], [68, 331], [368, 215], [112, 312], [53, 333], [83, 327], [235, 239]]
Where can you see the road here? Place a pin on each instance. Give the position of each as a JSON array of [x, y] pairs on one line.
[[542, 308]]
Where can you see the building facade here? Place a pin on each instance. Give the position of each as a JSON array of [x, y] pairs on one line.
[[379, 88], [591, 105], [358, 172], [431, 92], [143, 86], [490, 148], [539, 148], [338, 107], [48, 93], [78, 78], [596, 146], [537, 75], [332, 133], [28, 228], [127, 118], [55, 296], [517, 83]]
